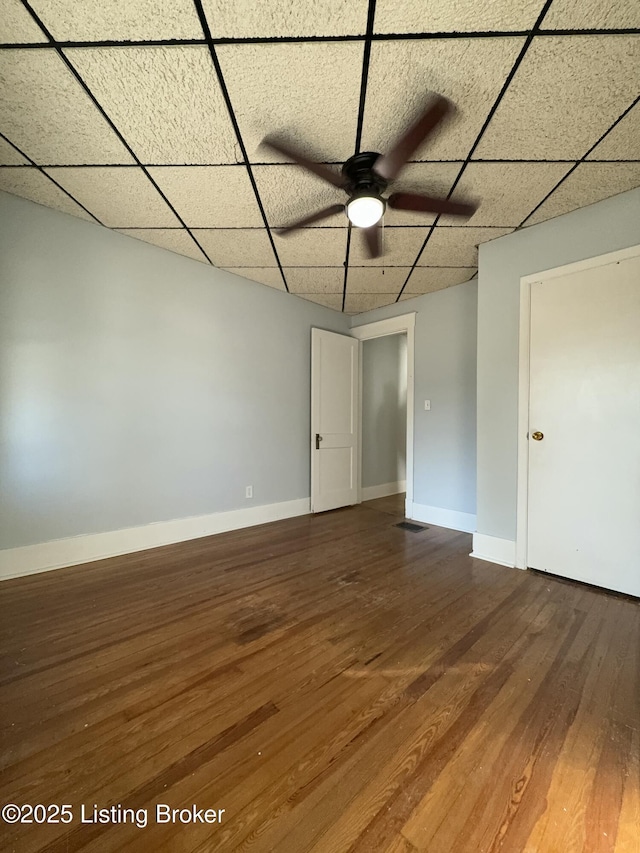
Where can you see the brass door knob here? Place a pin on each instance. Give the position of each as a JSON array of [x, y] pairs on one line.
[[537, 436]]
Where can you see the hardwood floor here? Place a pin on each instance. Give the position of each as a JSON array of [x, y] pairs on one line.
[[335, 684]]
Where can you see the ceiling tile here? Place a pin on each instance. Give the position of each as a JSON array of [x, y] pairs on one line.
[[399, 245], [457, 247], [289, 192], [470, 72], [237, 247], [310, 91], [460, 16], [175, 239], [564, 96], [589, 183], [120, 197], [9, 156], [119, 20], [47, 114], [17, 26], [328, 300], [357, 303], [376, 279], [506, 192], [623, 142], [429, 279], [313, 247], [210, 196], [165, 101], [280, 18], [32, 184], [263, 275], [592, 14], [315, 279]]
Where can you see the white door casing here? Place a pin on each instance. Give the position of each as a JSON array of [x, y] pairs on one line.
[[334, 419], [583, 477]]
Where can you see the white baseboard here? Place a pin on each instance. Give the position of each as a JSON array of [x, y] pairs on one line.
[[370, 493], [494, 550], [451, 518], [30, 559]]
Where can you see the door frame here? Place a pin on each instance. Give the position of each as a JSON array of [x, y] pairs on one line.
[[526, 282], [405, 323]]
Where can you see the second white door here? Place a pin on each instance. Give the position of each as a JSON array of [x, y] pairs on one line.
[[584, 426]]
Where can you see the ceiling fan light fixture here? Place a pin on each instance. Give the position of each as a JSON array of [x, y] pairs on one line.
[[365, 210]]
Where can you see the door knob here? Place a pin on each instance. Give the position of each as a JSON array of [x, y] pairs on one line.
[[537, 436], [318, 440]]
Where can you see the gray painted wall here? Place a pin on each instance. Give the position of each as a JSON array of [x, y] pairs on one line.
[[138, 385], [384, 410], [445, 373], [595, 230]]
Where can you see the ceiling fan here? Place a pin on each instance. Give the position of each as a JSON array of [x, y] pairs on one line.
[[365, 177]]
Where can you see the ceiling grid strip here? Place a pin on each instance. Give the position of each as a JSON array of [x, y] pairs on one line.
[[366, 58], [487, 121], [236, 127], [427, 36], [53, 180], [582, 160], [103, 112]]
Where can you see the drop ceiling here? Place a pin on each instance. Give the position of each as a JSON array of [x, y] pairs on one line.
[[146, 117]]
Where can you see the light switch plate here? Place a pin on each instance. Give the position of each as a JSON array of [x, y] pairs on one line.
[[427, 405]]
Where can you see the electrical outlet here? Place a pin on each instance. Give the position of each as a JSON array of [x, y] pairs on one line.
[[427, 405], [248, 492]]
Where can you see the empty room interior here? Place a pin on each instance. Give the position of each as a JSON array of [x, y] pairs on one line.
[[319, 426]]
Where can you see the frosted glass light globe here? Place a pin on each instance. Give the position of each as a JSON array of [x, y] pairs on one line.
[[364, 211]]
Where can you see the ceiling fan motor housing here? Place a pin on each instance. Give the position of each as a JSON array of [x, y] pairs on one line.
[[361, 178]]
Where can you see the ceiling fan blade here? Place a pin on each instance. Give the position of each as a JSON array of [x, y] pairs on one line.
[[318, 169], [429, 204], [373, 240], [309, 220], [389, 165]]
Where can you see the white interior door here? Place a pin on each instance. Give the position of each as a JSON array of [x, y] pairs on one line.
[[584, 472], [334, 421]]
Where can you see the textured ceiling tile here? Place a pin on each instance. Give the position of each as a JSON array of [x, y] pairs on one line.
[[457, 247], [564, 96], [376, 280], [120, 197], [329, 300], [17, 26], [210, 196], [237, 247], [400, 247], [32, 184], [119, 20], [460, 16], [434, 179], [309, 91], [9, 156], [589, 183], [623, 143], [357, 303], [315, 279], [175, 239], [403, 73], [429, 279], [506, 192], [592, 14], [263, 275], [279, 18], [288, 193], [46, 113], [313, 247], [165, 101]]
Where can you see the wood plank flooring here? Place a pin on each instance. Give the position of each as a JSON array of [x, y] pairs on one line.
[[335, 684]]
